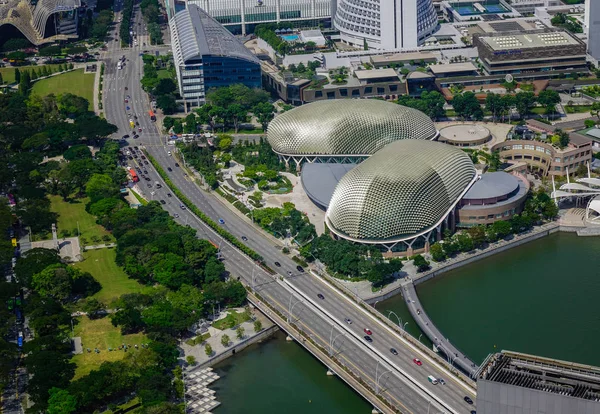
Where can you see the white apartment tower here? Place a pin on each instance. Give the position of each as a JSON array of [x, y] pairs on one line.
[[385, 24], [592, 27]]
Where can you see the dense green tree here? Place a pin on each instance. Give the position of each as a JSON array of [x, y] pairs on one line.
[[421, 263], [101, 186], [167, 103], [437, 252], [77, 152], [549, 99], [467, 106], [264, 113], [61, 402]]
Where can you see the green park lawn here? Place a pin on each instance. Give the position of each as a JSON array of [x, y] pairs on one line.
[[163, 74], [70, 213], [232, 319], [76, 82], [101, 334], [100, 263], [8, 73]]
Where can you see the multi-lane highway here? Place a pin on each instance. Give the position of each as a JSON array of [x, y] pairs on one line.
[[397, 377]]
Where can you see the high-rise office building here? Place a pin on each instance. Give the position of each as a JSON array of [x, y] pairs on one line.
[[208, 56], [592, 27], [385, 24]]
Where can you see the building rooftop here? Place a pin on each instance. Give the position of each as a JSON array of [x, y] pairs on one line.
[[492, 185], [375, 74], [198, 34], [380, 60], [452, 68], [320, 179], [579, 139], [529, 40], [542, 374]]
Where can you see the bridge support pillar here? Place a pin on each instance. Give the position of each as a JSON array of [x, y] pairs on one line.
[[330, 373], [289, 338]]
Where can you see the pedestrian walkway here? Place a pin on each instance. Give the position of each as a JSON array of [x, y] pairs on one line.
[[199, 398]]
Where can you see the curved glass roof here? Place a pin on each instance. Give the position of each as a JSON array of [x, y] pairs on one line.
[[400, 192], [346, 127], [197, 34]]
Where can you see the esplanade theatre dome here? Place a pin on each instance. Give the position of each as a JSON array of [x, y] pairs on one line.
[[400, 193], [344, 127]]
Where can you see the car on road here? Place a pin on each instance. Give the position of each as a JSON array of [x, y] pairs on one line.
[[289, 273], [221, 221], [139, 129], [125, 136], [176, 215], [149, 185], [145, 162], [176, 164], [320, 296], [169, 195], [126, 101], [126, 88], [135, 148], [300, 269], [393, 351], [163, 202], [169, 153], [169, 169], [277, 264], [143, 157], [128, 108], [441, 381], [417, 361], [244, 238], [368, 338], [130, 157], [368, 331], [348, 321], [468, 400], [136, 136], [182, 207], [145, 171], [418, 311], [152, 192]]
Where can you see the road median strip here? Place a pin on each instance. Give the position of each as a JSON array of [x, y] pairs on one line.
[[207, 220]]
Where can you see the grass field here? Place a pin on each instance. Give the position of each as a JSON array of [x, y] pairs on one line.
[[232, 319], [8, 73], [101, 334], [76, 82], [163, 74], [101, 264], [71, 213]]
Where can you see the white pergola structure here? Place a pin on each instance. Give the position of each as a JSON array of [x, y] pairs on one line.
[[581, 189]]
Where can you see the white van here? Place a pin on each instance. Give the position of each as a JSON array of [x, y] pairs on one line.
[[432, 379]]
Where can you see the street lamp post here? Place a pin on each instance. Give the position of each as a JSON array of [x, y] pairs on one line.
[[420, 337], [291, 308], [253, 278], [404, 326], [397, 317], [378, 377]]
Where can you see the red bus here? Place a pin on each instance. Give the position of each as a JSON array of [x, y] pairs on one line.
[[134, 176], [152, 116]]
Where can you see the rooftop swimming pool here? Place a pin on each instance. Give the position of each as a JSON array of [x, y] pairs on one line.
[[468, 8], [290, 38]]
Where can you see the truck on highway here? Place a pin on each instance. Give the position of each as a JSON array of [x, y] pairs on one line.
[[152, 116], [134, 176]]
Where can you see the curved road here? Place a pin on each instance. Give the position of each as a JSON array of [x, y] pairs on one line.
[[399, 379]]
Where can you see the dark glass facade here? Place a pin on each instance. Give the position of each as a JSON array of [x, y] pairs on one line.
[[224, 71]]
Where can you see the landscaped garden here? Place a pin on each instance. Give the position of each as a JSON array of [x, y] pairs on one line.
[[76, 82]]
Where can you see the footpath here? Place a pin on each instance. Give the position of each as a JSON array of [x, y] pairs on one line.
[[196, 346]]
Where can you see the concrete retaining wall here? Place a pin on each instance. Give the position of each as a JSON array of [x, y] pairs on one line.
[[237, 348]]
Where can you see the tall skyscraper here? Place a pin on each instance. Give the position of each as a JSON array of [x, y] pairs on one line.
[[592, 27], [386, 25]]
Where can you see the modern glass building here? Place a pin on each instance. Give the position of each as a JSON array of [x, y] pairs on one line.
[[340, 130], [237, 15], [402, 197], [386, 25], [208, 56]]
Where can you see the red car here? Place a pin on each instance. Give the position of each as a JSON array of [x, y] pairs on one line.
[[417, 361], [368, 331]]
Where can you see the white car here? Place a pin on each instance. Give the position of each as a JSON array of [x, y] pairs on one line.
[[169, 152]]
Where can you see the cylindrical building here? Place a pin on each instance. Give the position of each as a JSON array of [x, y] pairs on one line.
[[385, 24]]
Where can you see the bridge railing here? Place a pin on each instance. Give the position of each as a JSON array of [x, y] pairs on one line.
[[334, 365], [416, 343]]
